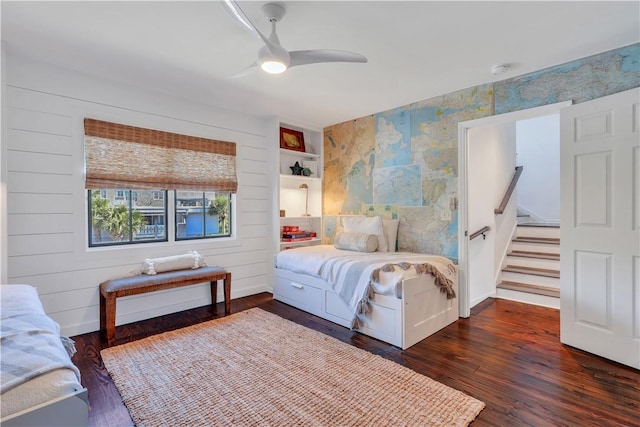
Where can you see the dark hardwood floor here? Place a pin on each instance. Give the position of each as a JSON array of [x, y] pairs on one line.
[[506, 354]]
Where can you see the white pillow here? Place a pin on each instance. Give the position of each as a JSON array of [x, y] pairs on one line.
[[390, 227], [192, 260], [367, 225], [391, 233], [361, 242]]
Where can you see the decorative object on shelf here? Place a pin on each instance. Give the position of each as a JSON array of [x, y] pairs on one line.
[[305, 187], [306, 171], [296, 169], [282, 213], [292, 140], [312, 165]]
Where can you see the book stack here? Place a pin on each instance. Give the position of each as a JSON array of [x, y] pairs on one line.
[[297, 236]]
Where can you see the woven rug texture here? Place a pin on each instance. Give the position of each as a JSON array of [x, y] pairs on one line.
[[254, 368]]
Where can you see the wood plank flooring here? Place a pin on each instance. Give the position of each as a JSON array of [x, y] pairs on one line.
[[506, 354]]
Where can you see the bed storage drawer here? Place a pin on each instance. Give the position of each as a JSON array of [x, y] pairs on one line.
[[298, 294]]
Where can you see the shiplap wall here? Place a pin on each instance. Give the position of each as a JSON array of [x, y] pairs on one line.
[[46, 199]]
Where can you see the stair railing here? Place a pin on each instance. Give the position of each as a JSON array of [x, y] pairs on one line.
[[480, 232], [507, 195]]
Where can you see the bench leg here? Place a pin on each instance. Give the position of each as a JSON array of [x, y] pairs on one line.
[[227, 293], [109, 317], [103, 314], [214, 293]]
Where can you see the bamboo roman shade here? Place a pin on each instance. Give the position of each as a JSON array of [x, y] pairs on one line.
[[120, 156]]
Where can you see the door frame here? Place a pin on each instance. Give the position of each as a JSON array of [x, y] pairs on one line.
[[463, 218]]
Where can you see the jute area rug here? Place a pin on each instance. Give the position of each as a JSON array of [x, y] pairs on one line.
[[254, 368]]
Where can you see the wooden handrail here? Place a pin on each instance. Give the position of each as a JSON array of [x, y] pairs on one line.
[[482, 231], [507, 195]]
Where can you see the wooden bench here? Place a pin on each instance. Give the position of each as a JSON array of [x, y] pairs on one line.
[[110, 290]]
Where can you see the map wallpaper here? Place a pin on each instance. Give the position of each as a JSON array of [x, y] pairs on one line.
[[403, 163]]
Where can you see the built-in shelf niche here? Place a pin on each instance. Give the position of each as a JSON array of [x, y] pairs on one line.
[[313, 150], [292, 198]]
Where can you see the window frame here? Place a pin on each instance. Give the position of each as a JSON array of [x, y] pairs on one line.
[[205, 207], [171, 217], [128, 200]]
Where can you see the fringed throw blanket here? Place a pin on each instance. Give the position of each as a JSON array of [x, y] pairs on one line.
[[356, 281], [355, 276], [30, 341]]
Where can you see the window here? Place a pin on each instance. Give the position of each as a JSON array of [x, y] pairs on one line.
[[128, 169], [137, 219], [202, 214]]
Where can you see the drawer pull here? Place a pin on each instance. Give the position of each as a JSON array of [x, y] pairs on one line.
[[296, 285]]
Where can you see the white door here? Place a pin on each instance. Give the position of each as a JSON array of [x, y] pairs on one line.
[[600, 227]]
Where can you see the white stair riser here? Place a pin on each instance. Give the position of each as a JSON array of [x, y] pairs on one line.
[[547, 264], [531, 279], [538, 232], [535, 247], [528, 298]]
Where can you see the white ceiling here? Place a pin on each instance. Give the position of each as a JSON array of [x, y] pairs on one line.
[[416, 49]]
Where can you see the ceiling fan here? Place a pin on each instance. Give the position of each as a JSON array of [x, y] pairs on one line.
[[275, 59]]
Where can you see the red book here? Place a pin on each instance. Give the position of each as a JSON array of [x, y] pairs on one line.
[[296, 235], [297, 239]]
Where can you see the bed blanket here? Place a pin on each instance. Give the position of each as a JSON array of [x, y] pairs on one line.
[[31, 344], [354, 276]]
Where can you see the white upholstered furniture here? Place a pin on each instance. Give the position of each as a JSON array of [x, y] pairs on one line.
[[40, 385]]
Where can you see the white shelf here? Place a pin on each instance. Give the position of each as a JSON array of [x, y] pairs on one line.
[[292, 199], [301, 154], [299, 177], [300, 242]]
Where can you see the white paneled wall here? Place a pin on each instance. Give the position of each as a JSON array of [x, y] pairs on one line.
[[46, 200]]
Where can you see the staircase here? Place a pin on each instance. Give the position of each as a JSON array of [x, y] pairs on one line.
[[532, 273]]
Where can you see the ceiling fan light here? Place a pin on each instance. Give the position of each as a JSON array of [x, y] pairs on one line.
[[273, 66]]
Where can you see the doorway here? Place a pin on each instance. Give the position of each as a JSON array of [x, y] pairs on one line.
[[471, 188], [538, 152]]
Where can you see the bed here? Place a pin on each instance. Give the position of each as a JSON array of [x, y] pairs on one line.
[[40, 384], [397, 297]]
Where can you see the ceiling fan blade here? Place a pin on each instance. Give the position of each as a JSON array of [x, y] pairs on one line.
[[234, 8], [250, 69], [314, 56], [238, 13]]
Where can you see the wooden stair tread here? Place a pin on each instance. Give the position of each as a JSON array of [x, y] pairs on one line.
[[532, 270], [530, 289], [539, 255], [546, 240]]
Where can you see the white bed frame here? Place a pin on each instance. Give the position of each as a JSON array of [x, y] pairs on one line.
[[403, 322], [69, 410]]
